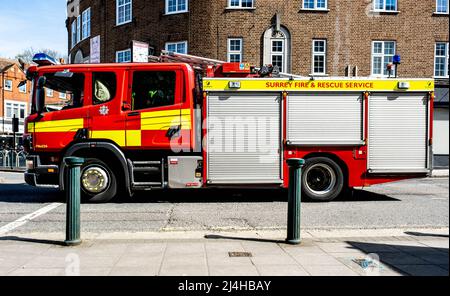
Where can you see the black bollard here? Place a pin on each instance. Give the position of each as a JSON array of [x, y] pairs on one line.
[[73, 200], [294, 200]]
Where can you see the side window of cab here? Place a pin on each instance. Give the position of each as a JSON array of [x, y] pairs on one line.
[[152, 89], [104, 86]]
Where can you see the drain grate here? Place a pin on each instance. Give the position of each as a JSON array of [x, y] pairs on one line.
[[240, 254]]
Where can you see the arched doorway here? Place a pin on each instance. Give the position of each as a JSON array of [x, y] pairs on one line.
[[78, 59], [277, 48]]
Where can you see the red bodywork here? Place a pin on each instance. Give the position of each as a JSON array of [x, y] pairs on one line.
[[124, 125]]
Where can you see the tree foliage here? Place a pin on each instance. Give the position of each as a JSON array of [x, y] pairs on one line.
[[27, 54]]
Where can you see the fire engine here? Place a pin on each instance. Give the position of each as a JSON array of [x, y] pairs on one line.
[[186, 122]]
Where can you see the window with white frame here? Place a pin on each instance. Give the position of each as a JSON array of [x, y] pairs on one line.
[[315, 4], [442, 6], [74, 33], [240, 3], [319, 56], [123, 56], [23, 88], [178, 47], [277, 54], [385, 5], [124, 11], [8, 84], [86, 25], [441, 60], [176, 6], [234, 54], [78, 28], [382, 54], [15, 109], [49, 92], [62, 95]]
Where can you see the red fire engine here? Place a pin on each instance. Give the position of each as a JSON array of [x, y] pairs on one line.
[[190, 122]]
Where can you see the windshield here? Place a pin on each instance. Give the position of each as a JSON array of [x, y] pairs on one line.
[[62, 91]]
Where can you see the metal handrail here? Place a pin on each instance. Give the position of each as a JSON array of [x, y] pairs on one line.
[[12, 159]]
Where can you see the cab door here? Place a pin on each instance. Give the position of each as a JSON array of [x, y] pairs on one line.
[[64, 115], [107, 117], [160, 116]]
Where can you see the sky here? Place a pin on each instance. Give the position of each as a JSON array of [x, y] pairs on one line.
[[32, 23]]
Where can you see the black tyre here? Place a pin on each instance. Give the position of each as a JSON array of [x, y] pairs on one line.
[[98, 182], [322, 179]]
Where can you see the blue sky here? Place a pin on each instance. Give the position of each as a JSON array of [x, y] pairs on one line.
[[32, 23]]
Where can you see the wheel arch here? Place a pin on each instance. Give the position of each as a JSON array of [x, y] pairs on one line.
[[336, 159], [100, 150]]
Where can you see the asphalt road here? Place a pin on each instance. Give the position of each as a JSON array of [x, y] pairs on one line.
[[422, 203]]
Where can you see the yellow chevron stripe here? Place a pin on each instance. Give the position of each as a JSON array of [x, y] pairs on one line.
[[134, 138], [160, 120], [53, 126], [117, 136]]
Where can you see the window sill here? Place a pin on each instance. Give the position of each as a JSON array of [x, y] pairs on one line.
[[121, 24], [314, 10], [385, 12], [175, 12], [441, 77], [440, 13], [318, 75], [240, 8]]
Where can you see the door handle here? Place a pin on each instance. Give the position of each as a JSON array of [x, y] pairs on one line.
[[134, 114], [173, 132]]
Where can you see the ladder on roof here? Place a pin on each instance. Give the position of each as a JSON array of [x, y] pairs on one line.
[[198, 63]]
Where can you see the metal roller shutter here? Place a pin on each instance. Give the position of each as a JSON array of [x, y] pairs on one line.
[[325, 119], [243, 138], [398, 133]]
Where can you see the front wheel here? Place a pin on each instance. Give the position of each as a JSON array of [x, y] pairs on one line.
[[98, 181], [322, 179]]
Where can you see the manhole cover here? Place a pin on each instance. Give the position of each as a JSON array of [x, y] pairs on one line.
[[239, 254]]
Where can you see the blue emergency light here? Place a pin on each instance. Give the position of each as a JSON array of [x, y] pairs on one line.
[[43, 59], [396, 59]]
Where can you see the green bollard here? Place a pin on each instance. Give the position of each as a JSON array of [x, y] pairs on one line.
[[294, 202], [73, 200]]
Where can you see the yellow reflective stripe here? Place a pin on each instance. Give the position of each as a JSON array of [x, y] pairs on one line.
[[165, 113], [425, 85], [159, 120], [30, 126], [67, 125], [134, 138], [117, 136]]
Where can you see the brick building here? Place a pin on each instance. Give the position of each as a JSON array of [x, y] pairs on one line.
[[15, 100], [306, 37]]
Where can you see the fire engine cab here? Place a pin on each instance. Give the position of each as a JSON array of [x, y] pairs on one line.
[[189, 122]]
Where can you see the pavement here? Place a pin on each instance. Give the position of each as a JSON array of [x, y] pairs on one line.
[[398, 228], [342, 253]]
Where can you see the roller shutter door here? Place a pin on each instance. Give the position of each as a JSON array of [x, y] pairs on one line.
[[243, 141], [324, 119], [398, 133]]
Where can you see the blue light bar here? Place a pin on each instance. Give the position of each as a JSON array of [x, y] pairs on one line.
[[396, 59], [44, 60]]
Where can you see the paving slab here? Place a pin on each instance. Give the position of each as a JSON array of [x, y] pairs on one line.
[[329, 270], [281, 270], [243, 270], [183, 270]]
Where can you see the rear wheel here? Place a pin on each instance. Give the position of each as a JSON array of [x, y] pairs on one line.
[[322, 179], [98, 181]]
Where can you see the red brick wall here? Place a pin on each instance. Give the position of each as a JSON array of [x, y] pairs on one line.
[[348, 28], [16, 75]]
